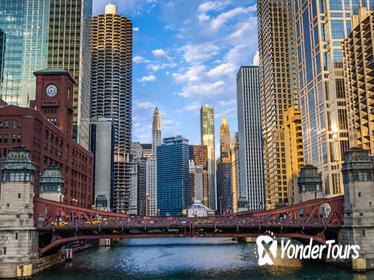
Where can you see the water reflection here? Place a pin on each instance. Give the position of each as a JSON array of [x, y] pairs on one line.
[[184, 258]]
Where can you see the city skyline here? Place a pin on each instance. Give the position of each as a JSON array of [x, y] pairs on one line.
[[178, 60]]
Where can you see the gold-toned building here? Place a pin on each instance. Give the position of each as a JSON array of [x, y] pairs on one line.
[[279, 90], [359, 80], [234, 157], [293, 141], [322, 27]]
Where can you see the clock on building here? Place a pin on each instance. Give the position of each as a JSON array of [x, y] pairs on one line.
[[51, 90]]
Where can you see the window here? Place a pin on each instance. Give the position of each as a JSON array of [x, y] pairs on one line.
[[4, 251], [19, 195]]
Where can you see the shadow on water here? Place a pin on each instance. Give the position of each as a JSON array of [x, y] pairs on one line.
[[185, 258]]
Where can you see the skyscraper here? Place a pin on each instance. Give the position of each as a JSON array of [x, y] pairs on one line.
[[199, 156], [321, 28], [224, 171], [293, 141], [207, 138], [250, 137], [68, 48], [279, 89], [359, 92], [43, 33], [173, 186], [102, 146], [111, 92], [152, 164], [234, 156]]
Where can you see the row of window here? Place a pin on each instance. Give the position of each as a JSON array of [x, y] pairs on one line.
[[15, 138], [14, 124]]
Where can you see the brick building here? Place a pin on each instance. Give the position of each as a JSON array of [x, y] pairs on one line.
[[48, 135]]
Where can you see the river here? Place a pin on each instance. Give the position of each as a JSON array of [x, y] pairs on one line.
[[184, 258]]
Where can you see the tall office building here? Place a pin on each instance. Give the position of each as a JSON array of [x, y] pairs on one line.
[[102, 146], [293, 140], [224, 171], [250, 137], [69, 48], [111, 92], [358, 63], [207, 138], [279, 90], [234, 156], [199, 166], [321, 28], [173, 184], [41, 34], [152, 164], [138, 189]]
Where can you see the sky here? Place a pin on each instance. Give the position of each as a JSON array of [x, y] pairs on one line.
[[186, 53]]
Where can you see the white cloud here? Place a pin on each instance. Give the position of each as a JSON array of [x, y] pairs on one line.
[[191, 107], [213, 6], [140, 59], [199, 53], [203, 17], [203, 89], [222, 69], [156, 67], [193, 74], [143, 105], [148, 78], [135, 28], [224, 17], [159, 52]]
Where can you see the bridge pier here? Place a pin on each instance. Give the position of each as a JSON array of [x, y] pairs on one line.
[[358, 229], [19, 240]]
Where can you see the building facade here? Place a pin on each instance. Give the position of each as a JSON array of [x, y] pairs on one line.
[[358, 64], [102, 146], [111, 92], [173, 186], [250, 137], [235, 165], [279, 90], [321, 29], [46, 132], [41, 34], [207, 138], [199, 183], [152, 164], [224, 171], [293, 140]]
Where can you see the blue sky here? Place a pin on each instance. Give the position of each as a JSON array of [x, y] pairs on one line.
[[186, 53]]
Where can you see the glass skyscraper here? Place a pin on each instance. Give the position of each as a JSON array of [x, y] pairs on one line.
[[207, 138], [26, 25], [321, 27], [173, 183], [41, 34]]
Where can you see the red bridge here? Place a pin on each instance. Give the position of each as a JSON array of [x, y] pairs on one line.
[[59, 223]]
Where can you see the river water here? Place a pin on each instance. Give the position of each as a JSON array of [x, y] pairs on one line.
[[184, 258]]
